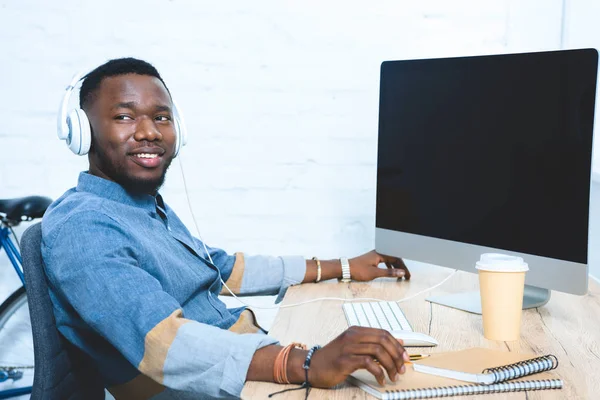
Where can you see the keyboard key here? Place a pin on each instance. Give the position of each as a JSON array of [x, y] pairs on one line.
[[350, 315], [381, 318], [387, 310], [373, 323], [360, 314], [400, 316], [385, 315]]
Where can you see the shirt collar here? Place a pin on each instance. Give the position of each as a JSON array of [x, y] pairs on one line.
[[113, 191]]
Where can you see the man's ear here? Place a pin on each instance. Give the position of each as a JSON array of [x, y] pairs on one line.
[[93, 135], [92, 147], [92, 131]]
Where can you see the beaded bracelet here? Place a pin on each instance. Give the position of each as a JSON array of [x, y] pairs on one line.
[[306, 367]]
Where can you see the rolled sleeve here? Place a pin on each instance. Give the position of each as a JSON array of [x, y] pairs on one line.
[[294, 270], [272, 275], [219, 366]]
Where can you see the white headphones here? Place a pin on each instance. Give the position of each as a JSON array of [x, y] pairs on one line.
[[74, 126]]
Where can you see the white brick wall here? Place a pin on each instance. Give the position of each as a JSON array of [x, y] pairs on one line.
[[280, 99]]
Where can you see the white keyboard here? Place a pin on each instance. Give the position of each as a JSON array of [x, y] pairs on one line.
[[377, 314]]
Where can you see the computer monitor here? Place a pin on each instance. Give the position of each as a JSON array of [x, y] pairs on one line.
[[489, 154]]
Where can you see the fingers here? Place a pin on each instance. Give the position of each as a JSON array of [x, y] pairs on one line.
[[379, 354], [394, 348], [395, 354], [392, 272], [366, 362], [398, 265], [359, 348]]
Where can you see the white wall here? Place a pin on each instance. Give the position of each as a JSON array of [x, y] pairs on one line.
[[280, 98]]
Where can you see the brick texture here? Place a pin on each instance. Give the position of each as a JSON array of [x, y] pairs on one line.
[[280, 100]]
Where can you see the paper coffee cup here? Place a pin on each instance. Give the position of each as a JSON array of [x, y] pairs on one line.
[[501, 285]]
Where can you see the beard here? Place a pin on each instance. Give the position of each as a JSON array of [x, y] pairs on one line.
[[132, 184]]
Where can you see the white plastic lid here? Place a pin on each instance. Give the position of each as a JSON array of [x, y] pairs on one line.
[[501, 263]]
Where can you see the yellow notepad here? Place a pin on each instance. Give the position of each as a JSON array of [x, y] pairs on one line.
[[415, 385]]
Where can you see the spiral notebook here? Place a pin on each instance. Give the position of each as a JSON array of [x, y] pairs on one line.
[[464, 366], [416, 385]]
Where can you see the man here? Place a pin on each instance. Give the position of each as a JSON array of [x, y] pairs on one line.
[[131, 287]]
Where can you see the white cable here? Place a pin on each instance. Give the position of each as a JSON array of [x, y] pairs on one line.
[[370, 298], [190, 205], [294, 304]]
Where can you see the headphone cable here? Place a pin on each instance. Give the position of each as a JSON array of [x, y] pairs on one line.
[[294, 304]]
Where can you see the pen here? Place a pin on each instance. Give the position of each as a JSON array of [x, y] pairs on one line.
[[416, 357]]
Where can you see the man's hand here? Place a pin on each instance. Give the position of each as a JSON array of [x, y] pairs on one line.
[[364, 268], [358, 348]]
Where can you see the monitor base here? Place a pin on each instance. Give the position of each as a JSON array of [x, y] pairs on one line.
[[533, 297]]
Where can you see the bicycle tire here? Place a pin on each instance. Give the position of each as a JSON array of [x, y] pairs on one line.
[[11, 305], [16, 340]]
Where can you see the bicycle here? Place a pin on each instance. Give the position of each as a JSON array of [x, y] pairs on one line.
[[16, 359]]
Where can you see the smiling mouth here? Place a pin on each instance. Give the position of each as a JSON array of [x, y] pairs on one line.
[[147, 160], [145, 155]]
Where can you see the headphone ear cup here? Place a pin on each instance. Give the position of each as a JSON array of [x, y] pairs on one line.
[[182, 132], [80, 137], [86, 132], [177, 136]]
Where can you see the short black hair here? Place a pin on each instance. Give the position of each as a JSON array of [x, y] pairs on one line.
[[119, 66]]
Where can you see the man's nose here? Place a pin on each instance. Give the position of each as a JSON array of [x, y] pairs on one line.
[[147, 130]]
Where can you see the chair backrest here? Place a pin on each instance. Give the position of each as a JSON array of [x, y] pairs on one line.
[[61, 370]]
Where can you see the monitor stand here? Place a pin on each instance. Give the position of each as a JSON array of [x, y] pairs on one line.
[[533, 297]]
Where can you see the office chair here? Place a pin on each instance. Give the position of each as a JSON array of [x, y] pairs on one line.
[[61, 370]]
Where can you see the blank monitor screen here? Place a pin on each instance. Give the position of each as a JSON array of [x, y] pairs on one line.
[[489, 150]]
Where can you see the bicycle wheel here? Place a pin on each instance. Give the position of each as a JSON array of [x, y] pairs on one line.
[[16, 340]]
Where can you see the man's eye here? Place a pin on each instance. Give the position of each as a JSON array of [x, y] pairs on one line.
[[123, 117], [163, 118]]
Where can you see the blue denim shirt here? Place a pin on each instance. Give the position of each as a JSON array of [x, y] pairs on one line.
[[131, 287]]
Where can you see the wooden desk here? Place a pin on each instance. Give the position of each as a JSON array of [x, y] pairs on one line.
[[568, 326]]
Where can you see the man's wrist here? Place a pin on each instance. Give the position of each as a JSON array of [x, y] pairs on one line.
[[331, 269], [295, 371]]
